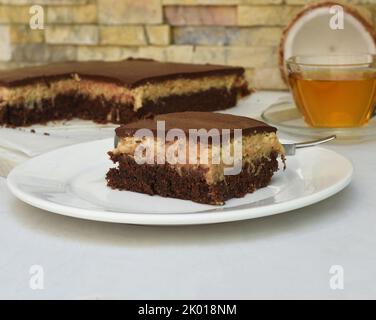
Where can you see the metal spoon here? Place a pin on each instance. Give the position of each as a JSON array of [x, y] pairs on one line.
[[290, 148]]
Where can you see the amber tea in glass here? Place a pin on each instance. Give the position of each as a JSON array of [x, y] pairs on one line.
[[333, 91]]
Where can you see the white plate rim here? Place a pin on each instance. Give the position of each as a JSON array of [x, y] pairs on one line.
[[192, 218]]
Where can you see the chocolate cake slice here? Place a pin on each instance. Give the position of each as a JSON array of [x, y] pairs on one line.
[[194, 179], [118, 92]]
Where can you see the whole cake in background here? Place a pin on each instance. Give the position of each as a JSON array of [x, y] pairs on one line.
[[117, 92], [199, 182]]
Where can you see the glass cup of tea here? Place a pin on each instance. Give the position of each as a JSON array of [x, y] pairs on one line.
[[334, 91]]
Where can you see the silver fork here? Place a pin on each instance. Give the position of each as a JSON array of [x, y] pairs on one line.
[[290, 148]]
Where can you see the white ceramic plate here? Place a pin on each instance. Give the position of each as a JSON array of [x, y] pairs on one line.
[[71, 181]]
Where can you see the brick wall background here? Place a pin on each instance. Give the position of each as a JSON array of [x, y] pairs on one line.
[[237, 32]]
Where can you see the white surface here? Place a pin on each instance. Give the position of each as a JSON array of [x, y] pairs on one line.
[[283, 256], [71, 181]]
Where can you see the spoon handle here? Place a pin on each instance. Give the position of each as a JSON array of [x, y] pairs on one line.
[[313, 143], [290, 148]]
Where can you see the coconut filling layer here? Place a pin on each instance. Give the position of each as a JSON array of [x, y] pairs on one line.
[[31, 95], [254, 148]]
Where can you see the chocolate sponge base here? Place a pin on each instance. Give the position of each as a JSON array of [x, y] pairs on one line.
[[65, 107], [190, 184]]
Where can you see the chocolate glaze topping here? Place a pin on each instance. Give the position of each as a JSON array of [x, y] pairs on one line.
[[197, 120], [130, 73]]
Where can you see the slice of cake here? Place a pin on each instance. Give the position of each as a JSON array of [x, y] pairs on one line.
[[118, 92], [157, 156]]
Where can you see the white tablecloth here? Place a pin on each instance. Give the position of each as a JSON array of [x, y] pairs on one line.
[[283, 256]]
